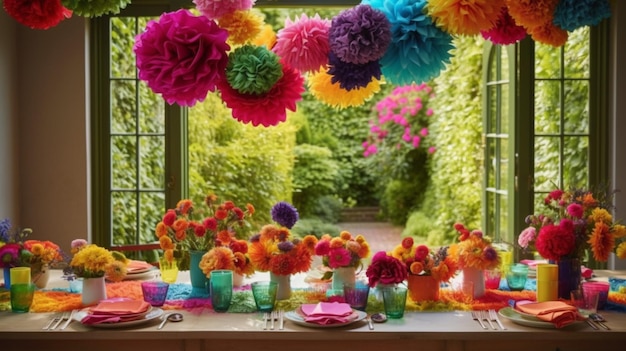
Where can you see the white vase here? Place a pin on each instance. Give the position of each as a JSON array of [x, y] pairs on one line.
[[343, 276], [283, 292], [476, 279], [40, 274], [94, 290]]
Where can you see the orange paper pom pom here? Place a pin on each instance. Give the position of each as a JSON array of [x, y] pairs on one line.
[[242, 26], [549, 34], [465, 17], [532, 13]]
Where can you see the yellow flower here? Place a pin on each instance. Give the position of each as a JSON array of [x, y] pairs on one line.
[[116, 271], [621, 250], [619, 231], [600, 215]]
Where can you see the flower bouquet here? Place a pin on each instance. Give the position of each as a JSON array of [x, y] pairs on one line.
[[93, 261], [228, 253], [342, 254], [12, 251], [386, 270]]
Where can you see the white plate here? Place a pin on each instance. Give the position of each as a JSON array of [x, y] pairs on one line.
[[298, 319], [149, 274], [526, 319], [154, 313]]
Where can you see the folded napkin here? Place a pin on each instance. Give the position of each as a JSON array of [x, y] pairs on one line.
[[116, 312], [327, 313], [558, 313], [134, 266]]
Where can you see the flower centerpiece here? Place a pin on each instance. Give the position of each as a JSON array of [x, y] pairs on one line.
[[473, 254], [274, 249], [40, 255], [386, 270], [426, 268], [12, 252], [342, 254], [228, 253], [577, 224]]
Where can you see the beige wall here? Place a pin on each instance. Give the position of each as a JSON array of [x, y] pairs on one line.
[[43, 89]]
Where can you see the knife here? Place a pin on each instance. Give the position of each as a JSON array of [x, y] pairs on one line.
[[281, 322]]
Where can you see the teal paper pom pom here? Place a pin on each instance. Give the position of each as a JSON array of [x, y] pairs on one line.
[[253, 69], [419, 49], [570, 15], [95, 8]]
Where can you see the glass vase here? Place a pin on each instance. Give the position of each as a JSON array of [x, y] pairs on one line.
[[198, 279], [570, 276]]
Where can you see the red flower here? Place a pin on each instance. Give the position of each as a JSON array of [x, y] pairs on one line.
[[37, 14], [554, 242]]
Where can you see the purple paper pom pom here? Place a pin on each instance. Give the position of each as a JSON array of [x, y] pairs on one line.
[[570, 15], [352, 76], [360, 35], [285, 214]]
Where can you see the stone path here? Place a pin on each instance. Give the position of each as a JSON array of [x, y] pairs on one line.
[[381, 236]]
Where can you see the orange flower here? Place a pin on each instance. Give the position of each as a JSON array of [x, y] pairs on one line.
[[161, 229], [184, 206], [166, 243], [602, 241]]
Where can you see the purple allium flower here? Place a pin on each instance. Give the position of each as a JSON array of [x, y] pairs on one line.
[[285, 214], [285, 246], [255, 238]]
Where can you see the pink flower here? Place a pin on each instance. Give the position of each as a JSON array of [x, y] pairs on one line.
[[432, 149], [429, 112], [385, 269], [424, 132], [575, 210], [214, 9], [527, 236], [339, 257], [322, 248]]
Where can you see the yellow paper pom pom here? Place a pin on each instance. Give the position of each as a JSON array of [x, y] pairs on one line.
[[266, 37], [465, 17], [333, 95], [549, 34], [242, 26]]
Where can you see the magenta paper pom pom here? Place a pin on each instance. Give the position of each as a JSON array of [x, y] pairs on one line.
[[267, 109], [352, 76], [182, 56], [37, 14], [360, 35], [214, 9], [303, 44], [506, 31]]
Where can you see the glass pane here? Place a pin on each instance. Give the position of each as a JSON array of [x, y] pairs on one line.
[[124, 214], [491, 163], [152, 162], [547, 61], [547, 107], [123, 162], [151, 111], [152, 205], [538, 203], [123, 104], [122, 40], [504, 163], [493, 65], [546, 163], [576, 106], [504, 109], [576, 162], [504, 217], [577, 54], [491, 214], [504, 63], [493, 109]]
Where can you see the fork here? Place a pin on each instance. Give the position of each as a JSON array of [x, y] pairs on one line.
[[272, 317], [266, 318], [477, 318], [485, 316], [57, 321], [54, 319], [494, 317]]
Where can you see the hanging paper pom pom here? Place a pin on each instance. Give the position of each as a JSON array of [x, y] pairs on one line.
[[253, 69], [214, 9], [242, 26], [573, 14], [352, 76], [549, 34], [418, 50], [37, 14], [505, 31], [303, 43], [465, 17], [182, 56], [323, 89], [531, 13], [359, 35], [95, 8], [267, 37], [267, 109]]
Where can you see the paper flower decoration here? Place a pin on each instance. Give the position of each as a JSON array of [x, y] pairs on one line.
[[37, 14], [267, 109], [303, 43], [418, 50], [465, 17], [95, 8], [267, 37], [253, 69], [531, 13], [505, 31], [359, 35], [214, 9], [323, 89], [182, 56], [352, 76], [242, 26], [549, 34], [570, 15]]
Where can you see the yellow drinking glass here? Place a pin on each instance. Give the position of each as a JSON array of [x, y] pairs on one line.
[[169, 270]]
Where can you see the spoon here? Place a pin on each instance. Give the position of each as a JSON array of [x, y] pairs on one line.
[[378, 318], [172, 317]]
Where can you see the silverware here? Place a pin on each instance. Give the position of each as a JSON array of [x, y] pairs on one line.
[[52, 321], [58, 321], [369, 322], [69, 320], [599, 319], [281, 319], [591, 324], [477, 318], [485, 316], [266, 319], [494, 317], [272, 317]]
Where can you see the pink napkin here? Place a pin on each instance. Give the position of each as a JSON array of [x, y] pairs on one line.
[[116, 312], [328, 313]]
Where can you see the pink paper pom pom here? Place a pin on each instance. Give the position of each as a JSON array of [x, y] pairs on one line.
[[182, 56], [506, 31], [214, 9], [267, 109], [37, 14], [303, 44]]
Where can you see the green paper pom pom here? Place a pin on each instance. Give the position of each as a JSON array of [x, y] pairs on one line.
[[95, 8], [253, 69]]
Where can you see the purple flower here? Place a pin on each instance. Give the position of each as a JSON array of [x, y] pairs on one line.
[[385, 269], [255, 238], [350, 75], [285, 214], [285, 246]]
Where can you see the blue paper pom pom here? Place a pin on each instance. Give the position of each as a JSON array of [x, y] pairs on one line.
[[418, 50], [352, 76], [570, 15]]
